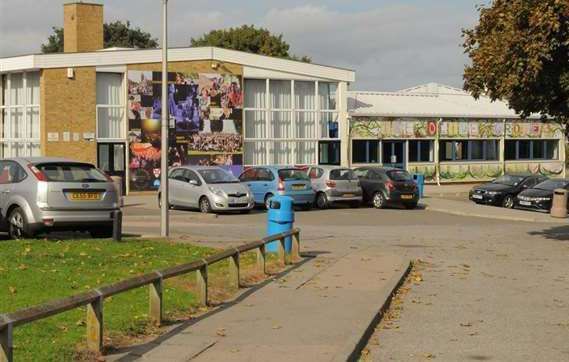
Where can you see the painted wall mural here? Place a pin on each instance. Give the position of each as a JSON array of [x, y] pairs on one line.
[[383, 127], [205, 125], [545, 169], [471, 129], [533, 130]]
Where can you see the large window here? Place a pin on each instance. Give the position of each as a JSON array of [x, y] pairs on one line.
[[464, 150], [531, 150], [329, 153], [110, 107], [284, 120], [365, 151], [421, 151], [20, 114]]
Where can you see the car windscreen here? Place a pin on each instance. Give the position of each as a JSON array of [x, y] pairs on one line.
[[551, 185], [293, 174], [509, 180], [217, 176], [342, 174], [399, 175], [71, 172]]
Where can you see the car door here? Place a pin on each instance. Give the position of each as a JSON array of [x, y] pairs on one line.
[[365, 182], [11, 175], [192, 188], [249, 178], [315, 174], [176, 181]]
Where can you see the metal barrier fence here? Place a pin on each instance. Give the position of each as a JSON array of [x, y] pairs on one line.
[[93, 299]]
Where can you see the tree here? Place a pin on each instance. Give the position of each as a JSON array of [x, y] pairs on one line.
[[249, 39], [115, 34], [520, 53]]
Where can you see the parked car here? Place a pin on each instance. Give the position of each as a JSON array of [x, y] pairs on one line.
[[540, 196], [207, 188], [333, 185], [387, 186], [503, 190], [267, 181], [46, 194]]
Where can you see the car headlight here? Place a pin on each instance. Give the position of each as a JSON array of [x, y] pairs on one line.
[[542, 199], [217, 191]]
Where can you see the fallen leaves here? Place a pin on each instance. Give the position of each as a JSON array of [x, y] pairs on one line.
[[12, 290], [221, 332]]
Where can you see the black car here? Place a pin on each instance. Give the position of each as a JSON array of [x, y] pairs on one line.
[[387, 186], [503, 190], [539, 197]]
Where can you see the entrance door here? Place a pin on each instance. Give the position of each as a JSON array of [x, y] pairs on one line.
[[394, 154], [111, 159]]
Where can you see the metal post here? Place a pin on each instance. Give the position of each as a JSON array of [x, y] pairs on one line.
[[164, 232], [117, 225]]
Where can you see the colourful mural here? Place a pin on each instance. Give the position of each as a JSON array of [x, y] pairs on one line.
[[205, 126], [380, 127], [471, 129], [469, 172], [544, 168], [521, 129]]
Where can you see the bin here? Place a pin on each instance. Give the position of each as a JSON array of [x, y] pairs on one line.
[[559, 203], [280, 218], [420, 181]]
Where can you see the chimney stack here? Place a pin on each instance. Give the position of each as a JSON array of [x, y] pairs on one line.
[[82, 27]]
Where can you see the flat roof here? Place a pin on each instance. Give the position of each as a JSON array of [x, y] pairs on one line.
[[139, 56]]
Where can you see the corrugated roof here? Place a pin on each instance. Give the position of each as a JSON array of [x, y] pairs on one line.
[[428, 100]]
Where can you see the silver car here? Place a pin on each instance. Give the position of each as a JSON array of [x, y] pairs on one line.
[[334, 184], [41, 194], [208, 189]]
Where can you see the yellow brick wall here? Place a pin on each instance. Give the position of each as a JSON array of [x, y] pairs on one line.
[[82, 27], [68, 105]]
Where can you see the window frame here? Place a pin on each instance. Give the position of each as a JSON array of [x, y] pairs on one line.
[[467, 154], [367, 152], [546, 143]]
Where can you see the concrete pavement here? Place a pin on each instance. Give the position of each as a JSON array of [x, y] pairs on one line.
[[318, 312]]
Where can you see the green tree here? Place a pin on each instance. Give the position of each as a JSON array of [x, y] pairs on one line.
[[520, 53], [249, 39], [115, 34]]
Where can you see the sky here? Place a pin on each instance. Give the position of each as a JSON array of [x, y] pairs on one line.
[[391, 44]]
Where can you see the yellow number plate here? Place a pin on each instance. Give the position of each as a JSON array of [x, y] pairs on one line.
[[85, 196], [406, 197], [349, 195], [298, 187]]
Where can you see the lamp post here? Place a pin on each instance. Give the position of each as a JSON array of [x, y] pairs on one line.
[[164, 222]]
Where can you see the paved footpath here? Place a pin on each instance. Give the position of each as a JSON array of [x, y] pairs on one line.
[[316, 312]]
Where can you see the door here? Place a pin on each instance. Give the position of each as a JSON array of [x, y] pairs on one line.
[[394, 154], [192, 189], [176, 184], [111, 159], [11, 176]]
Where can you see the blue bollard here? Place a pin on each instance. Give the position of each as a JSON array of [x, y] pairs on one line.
[[280, 218], [420, 181]]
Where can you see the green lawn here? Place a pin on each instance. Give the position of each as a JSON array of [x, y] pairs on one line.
[[32, 272]]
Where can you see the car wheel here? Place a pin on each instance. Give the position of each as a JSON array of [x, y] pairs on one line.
[[321, 201], [508, 202], [18, 225], [268, 198], [103, 232], [378, 200], [171, 207], [410, 206], [205, 206]]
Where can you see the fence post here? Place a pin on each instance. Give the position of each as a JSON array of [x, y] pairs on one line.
[[234, 269], [155, 300], [295, 252], [6, 346], [261, 262], [95, 325], [201, 281], [281, 252]]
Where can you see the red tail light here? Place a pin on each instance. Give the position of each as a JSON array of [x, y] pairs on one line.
[[390, 186], [281, 186], [37, 173], [331, 184]]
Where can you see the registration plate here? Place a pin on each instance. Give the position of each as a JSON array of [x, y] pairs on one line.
[[349, 195], [525, 203], [477, 197], [406, 197], [298, 187], [85, 196]]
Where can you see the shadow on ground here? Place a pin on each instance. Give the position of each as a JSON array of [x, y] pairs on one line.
[[553, 233]]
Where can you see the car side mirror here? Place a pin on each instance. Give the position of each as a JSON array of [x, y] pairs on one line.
[[193, 182]]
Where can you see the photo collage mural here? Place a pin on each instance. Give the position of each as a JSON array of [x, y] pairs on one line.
[[205, 128]]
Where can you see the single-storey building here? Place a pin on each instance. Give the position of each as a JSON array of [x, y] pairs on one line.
[[235, 109], [447, 135]]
